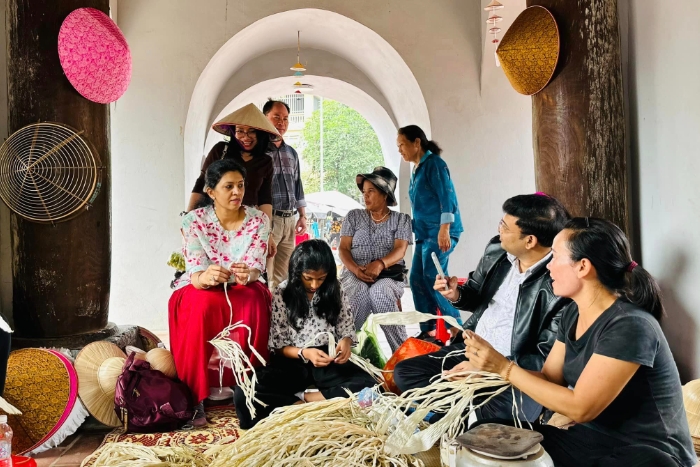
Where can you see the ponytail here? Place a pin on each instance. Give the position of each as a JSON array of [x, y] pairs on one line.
[[608, 250], [433, 147], [642, 290], [414, 132]]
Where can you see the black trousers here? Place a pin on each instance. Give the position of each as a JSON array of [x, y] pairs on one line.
[[283, 377], [5, 341], [417, 372], [580, 446]]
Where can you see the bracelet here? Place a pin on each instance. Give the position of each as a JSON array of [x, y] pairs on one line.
[[300, 354], [459, 297], [510, 367], [200, 282], [383, 263]]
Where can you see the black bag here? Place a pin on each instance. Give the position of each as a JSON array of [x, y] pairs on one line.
[[396, 272], [147, 401]]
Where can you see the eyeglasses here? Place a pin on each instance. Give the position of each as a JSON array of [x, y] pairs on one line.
[[242, 134]]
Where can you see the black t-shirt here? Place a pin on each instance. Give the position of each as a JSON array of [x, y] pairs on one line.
[[649, 410]]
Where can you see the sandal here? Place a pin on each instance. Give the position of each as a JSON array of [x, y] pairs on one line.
[[199, 419]]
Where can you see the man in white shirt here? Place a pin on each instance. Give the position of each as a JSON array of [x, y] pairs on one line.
[[511, 297]]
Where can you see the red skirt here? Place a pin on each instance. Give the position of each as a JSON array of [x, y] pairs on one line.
[[197, 316]]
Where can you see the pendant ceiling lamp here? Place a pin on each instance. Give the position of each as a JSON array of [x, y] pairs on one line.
[[298, 67], [301, 87]]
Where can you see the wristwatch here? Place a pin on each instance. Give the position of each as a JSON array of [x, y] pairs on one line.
[[300, 354]]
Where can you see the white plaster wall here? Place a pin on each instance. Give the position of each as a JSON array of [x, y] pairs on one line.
[[482, 124], [664, 104]]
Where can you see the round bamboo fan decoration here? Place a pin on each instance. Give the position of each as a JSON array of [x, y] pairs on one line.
[[48, 172]]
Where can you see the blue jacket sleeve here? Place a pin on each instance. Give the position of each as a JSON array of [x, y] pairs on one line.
[[439, 176]]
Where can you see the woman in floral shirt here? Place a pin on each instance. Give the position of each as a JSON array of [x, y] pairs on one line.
[[224, 242], [310, 303]]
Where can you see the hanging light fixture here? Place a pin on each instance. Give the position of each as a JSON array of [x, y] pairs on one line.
[[492, 20], [299, 86], [298, 67]]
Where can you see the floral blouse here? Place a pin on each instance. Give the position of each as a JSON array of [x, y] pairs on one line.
[[206, 242], [283, 334]]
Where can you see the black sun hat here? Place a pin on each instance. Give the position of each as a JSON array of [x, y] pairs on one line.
[[384, 179]]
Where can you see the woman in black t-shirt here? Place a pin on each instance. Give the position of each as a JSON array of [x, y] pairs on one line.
[[611, 369]]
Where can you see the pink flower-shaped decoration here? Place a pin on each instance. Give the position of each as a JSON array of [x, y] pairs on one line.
[[94, 55]]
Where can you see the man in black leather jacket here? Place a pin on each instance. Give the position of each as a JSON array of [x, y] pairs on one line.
[[511, 297]]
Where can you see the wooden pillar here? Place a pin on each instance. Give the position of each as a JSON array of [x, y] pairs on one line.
[[578, 120], [60, 273]]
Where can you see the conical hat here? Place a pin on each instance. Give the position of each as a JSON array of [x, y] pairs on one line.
[[43, 385], [96, 368], [691, 402], [248, 115], [529, 50]]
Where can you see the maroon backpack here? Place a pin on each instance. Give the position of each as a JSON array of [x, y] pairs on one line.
[[147, 401]]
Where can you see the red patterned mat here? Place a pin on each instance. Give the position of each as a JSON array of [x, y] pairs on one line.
[[222, 424]]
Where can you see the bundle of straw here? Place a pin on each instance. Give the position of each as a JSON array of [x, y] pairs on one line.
[[134, 455], [365, 365], [453, 398], [232, 355], [334, 432]]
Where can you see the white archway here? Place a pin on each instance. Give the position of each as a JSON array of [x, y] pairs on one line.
[[324, 30], [330, 88]]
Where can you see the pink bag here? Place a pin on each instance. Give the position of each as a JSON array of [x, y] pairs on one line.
[[147, 401]]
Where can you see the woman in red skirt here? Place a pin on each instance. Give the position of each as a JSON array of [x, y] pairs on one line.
[[224, 242]]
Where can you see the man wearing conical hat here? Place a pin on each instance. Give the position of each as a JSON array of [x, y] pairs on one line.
[[287, 195]]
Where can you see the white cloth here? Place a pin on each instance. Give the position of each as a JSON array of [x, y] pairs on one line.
[[496, 323], [4, 326]]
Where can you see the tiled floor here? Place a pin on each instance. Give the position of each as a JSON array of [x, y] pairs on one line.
[[72, 451]]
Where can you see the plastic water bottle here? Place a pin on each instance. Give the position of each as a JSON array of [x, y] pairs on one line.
[[5, 442]]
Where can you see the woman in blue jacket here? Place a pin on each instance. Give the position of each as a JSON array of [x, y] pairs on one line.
[[437, 224]]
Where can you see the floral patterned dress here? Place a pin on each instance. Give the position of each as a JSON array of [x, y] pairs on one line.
[[196, 316], [206, 242]]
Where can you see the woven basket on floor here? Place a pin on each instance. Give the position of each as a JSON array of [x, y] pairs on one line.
[[696, 444], [691, 401]]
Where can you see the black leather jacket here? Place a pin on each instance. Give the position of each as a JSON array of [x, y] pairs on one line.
[[537, 312]]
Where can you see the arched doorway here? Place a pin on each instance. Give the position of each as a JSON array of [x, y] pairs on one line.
[[322, 30]]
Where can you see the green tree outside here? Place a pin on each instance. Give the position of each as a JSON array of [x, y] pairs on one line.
[[350, 146]]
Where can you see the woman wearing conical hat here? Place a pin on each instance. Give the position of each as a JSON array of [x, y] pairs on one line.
[[250, 134]]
